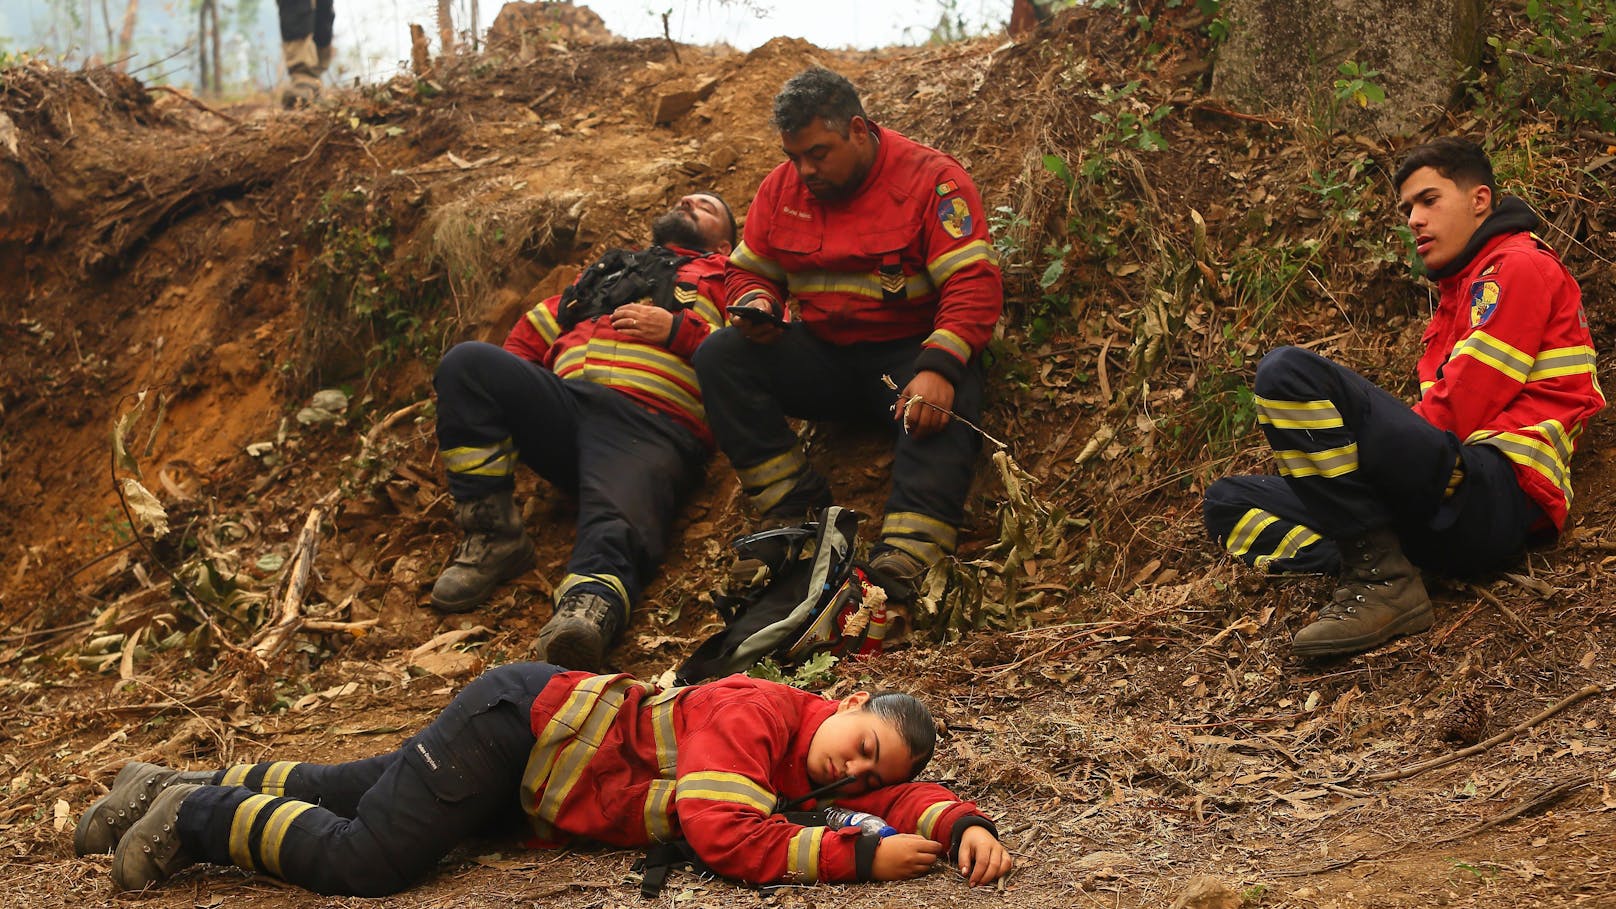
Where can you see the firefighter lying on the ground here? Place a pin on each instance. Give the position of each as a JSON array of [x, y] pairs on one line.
[[571, 757]]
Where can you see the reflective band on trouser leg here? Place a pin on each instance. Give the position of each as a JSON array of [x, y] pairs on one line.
[[269, 778], [768, 483], [497, 460], [922, 536]]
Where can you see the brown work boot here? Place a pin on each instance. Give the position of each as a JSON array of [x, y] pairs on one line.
[[496, 548], [580, 632], [133, 791], [303, 69], [1381, 597], [899, 573], [151, 852]]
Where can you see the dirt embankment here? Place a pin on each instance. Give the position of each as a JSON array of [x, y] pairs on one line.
[[1128, 706]]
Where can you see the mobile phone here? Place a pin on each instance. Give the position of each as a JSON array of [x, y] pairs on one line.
[[756, 315]]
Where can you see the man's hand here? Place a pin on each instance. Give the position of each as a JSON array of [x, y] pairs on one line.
[[642, 322], [905, 855], [982, 859], [921, 421], [758, 331]]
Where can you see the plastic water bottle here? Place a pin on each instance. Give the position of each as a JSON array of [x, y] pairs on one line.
[[837, 818]]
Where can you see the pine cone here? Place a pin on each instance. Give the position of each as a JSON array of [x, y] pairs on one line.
[[1463, 719]]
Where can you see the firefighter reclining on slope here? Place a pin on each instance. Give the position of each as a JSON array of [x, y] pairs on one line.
[[583, 757]]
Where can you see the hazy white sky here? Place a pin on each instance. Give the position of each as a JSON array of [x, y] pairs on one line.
[[384, 24]]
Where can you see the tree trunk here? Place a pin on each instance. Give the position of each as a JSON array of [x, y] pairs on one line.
[[126, 35], [446, 39], [1285, 56]]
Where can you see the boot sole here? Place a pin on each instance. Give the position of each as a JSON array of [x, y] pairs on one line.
[[469, 603], [1413, 622], [576, 647]]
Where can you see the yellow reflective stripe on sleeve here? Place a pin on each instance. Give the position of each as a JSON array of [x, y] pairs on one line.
[[1299, 538], [928, 819], [573, 580], [950, 342], [659, 811], [544, 322], [1246, 530], [497, 460], [237, 775], [275, 778], [1562, 361], [707, 311], [1484, 348], [944, 266], [1298, 414], [802, 854], [1425, 387], [241, 825], [920, 527], [1332, 462], [744, 258], [723, 786], [269, 848]]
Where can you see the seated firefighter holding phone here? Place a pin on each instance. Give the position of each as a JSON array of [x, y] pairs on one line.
[[737, 770]]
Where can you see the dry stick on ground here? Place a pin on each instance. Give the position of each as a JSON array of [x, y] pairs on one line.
[[1542, 800], [289, 617], [1488, 595], [1580, 694], [194, 103]]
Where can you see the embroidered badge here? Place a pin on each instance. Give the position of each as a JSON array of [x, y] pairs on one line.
[[946, 187], [955, 216], [1483, 300], [1489, 270]]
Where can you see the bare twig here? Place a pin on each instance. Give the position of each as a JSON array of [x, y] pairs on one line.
[[289, 617], [1580, 694], [916, 399], [1559, 64], [1488, 595], [1542, 800], [194, 103], [668, 34]]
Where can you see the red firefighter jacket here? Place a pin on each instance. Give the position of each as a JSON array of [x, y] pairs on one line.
[[907, 255], [658, 376], [628, 764], [1509, 362]]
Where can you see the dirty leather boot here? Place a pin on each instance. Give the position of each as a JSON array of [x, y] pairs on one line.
[[580, 632], [1381, 597], [496, 549], [764, 553], [137, 785], [303, 69], [151, 852], [899, 574]]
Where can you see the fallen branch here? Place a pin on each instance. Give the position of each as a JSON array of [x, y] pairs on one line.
[[1488, 595], [917, 399], [289, 617], [194, 103], [1580, 694], [1542, 800]]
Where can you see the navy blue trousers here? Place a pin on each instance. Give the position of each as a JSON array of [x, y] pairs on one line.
[[630, 467], [750, 389], [301, 18], [1354, 458], [376, 826]]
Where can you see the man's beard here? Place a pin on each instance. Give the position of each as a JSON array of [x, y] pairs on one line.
[[676, 228]]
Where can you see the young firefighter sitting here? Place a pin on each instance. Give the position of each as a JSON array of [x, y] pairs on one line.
[[599, 758]]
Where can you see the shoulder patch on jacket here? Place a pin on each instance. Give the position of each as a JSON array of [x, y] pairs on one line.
[[946, 187], [1483, 300], [955, 216]]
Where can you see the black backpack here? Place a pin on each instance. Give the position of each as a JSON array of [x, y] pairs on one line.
[[814, 601], [624, 276]]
